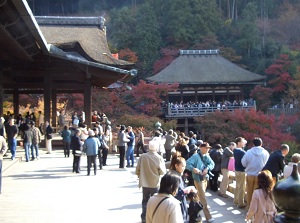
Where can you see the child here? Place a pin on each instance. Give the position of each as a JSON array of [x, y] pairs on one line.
[[194, 208]]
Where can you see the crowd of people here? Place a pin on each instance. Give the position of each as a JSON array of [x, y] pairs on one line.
[[194, 166]]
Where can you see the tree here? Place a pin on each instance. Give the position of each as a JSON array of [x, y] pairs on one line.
[[128, 55], [148, 97], [167, 56], [224, 127], [262, 96]]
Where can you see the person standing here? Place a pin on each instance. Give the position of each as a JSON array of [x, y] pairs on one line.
[[163, 207], [61, 120], [122, 140], [90, 147], [295, 160], [27, 141], [41, 122], [66, 138], [12, 133], [76, 146], [254, 160], [275, 163], [240, 175], [199, 164], [262, 208], [170, 143], [36, 140], [227, 154], [130, 147], [149, 169], [48, 137], [3, 149], [140, 142], [216, 155]]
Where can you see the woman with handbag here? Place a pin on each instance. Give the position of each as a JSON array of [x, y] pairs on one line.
[[48, 137], [164, 207]]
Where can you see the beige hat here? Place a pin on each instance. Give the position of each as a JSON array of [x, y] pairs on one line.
[[91, 133]]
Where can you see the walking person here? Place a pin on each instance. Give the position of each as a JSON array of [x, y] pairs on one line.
[[254, 160], [163, 207], [262, 208], [170, 143], [130, 147], [122, 140], [149, 169], [90, 147], [140, 142], [200, 164], [48, 137], [66, 138], [12, 134], [76, 146], [27, 141], [3, 149], [227, 154], [240, 175], [36, 140]]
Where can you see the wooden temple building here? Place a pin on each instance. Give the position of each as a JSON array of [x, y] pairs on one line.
[[204, 75], [54, 55]]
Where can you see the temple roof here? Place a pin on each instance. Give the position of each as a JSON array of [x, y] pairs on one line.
[[86, 35], [205, 67]]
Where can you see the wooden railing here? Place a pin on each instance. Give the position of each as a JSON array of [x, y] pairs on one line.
[[195, 111], [286, 111]]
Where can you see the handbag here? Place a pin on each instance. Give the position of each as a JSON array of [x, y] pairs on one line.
[[78, 153], [231, 164], [49, 136]]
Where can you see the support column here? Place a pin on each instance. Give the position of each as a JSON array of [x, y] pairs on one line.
[[186, 126], [54, 114], [88, 102], [1, 95], [47, 98], [16, 102]]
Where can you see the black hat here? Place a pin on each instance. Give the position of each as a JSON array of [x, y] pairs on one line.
[[31, 123]]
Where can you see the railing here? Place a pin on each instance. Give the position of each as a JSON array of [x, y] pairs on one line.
[[286, 111], [199, 111]]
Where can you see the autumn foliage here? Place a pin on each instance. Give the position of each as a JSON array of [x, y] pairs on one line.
[[224, 127]]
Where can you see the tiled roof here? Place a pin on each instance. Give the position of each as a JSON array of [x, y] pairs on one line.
[[204, 67]]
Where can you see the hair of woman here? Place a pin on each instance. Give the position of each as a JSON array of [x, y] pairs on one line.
[[169, 183], [176, 159], [265, 182]]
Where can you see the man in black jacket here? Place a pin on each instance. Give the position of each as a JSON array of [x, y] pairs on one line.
[[275, 163]]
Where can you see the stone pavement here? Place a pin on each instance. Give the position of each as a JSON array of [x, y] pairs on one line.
[[46, 190]]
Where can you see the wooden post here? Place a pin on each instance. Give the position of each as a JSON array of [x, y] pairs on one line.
[[47, 98], [54, 113], [16, 102], [88, 102]]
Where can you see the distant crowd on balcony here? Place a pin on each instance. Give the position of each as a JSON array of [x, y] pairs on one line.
[[210, 104]]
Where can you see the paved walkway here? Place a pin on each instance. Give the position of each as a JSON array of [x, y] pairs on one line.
[[46, 190]]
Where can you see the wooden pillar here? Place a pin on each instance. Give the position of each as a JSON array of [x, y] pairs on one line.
[[1, 95], [54, 114], [47, 98], [88, 102], [186, 126], [16, 102]]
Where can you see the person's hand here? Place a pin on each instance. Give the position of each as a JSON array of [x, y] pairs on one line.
[[197, 171], [204, 172]]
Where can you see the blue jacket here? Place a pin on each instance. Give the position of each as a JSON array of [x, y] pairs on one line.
[[91, 146], [195, 161]]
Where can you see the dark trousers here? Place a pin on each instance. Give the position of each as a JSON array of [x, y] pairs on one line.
[[76, 164], [90, 160], [122, 156], [0, 175], [100, 158], [147, 193], [138, 147], [168, 154], [104, 156], [66, 145], [213, 180]]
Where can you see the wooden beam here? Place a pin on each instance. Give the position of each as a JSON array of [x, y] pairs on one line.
[[88, 102], [47, 98], [16, 102], [54, 114]]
